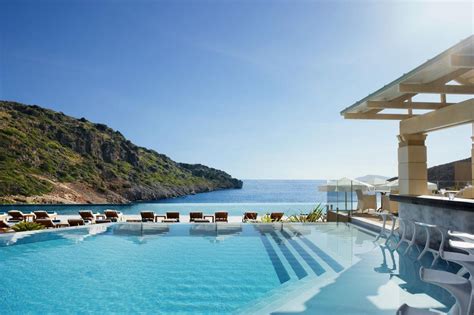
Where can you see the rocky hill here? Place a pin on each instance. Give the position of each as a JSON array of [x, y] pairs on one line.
[[451, 174], [48, 157]]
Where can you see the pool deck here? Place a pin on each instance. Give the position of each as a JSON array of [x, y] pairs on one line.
[[369, 221]]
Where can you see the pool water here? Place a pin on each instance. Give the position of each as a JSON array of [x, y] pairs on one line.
[[208, 269]]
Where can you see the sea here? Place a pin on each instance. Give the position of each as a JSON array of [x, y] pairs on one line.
[[262, 196]]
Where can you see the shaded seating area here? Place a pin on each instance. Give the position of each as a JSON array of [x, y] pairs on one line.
[[366, 202]]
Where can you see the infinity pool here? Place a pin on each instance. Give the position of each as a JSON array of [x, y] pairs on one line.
[[208, 269]]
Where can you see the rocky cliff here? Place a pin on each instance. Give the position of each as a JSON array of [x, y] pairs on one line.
[[46, 156]]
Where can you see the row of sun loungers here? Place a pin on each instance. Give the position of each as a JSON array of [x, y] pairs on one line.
[[49, 219]]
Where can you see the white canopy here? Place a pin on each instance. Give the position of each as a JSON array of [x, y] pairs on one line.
[[345, 185], [393, 186]]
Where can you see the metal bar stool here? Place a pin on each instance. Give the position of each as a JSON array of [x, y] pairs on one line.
[[403, 238], [466, 247], [383, 232], [436, 252], [459, 287], [466, 237]]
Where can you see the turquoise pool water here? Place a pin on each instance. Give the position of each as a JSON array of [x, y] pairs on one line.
[[208, 269]]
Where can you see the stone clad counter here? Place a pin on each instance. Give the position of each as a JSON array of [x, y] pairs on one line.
[[456, 215]]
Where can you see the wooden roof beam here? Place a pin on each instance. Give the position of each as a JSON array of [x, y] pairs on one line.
[[405, 105], [447, 117], [374, 116], [435, 89]]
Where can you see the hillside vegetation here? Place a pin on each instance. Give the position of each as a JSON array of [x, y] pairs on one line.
[[46, 156]]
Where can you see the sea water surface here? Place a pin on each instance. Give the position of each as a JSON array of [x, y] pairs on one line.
[[262, 196]]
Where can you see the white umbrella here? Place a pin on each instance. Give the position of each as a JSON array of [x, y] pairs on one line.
[[345, 185], [393, 186], [374, 180]]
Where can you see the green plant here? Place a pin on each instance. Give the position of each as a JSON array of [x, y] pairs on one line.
[[27, 226], [266, 219], [315, 215]]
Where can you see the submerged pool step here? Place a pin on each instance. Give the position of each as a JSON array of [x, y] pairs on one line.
[[280, 270], [331, 262], [312, 263], [292, 254], [292, 260]]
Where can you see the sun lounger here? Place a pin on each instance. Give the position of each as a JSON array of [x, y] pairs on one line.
[[88, 216], [250, 216], [100, 221], [113, 215], [48, 223], [16, 216], [5, 227], [276, 216], [148, 216], [76, 222], [41, 214], [193, 216], [221, 216]]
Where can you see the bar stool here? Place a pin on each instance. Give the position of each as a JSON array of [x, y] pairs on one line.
[[383, 232], [466, 237], [466, 261], [466, 247], [403, 237], [427, 248], [408, 310]]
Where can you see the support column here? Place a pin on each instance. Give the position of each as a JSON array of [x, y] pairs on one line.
[[412, 166]]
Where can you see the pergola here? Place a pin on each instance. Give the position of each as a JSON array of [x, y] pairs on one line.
[[449, 73]]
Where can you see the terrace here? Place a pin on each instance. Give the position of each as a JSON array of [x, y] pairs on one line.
[[410, 100]]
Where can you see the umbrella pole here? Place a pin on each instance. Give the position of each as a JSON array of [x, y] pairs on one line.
[[352, 198], [345, 199]]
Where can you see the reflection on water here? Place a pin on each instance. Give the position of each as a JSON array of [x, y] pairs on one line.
[[407, 275]]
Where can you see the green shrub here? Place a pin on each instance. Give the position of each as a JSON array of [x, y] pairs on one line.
[[315, 215], [266, 219], [27, 226]]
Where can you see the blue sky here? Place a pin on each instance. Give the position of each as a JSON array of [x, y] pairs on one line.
[[251, 87]]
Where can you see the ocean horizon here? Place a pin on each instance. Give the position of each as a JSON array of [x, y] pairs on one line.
[[262, 196]]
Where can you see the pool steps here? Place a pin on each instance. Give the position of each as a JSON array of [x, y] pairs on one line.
[[306, 266]]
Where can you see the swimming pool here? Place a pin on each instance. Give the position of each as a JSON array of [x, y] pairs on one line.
[[209, 269]]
